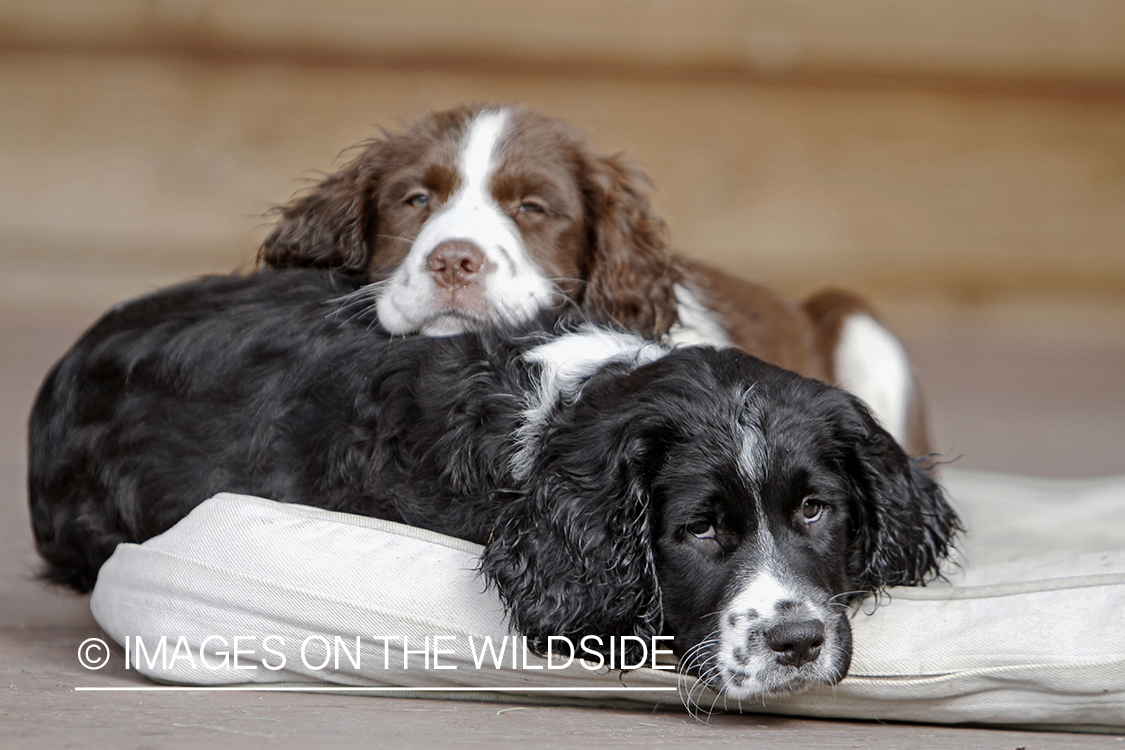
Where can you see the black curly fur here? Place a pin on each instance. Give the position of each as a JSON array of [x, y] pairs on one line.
[[273, 384]]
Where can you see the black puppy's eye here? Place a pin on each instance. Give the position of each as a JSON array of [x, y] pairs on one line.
[[702, 530], [418, 200], [811, 510]]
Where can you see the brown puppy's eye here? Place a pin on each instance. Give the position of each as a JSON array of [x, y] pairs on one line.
[[418, 200], [811, 510], [532, 207], [702, 530]]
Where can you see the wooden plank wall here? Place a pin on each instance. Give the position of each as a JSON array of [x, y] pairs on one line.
[[965, 156]]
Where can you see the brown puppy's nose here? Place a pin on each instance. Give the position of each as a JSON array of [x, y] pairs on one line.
[[455, 262]]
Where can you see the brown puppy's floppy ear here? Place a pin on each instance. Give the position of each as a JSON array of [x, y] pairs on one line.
[[327, 228], [631, 274]]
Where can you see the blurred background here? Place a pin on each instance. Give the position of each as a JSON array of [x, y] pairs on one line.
[[959, 162]]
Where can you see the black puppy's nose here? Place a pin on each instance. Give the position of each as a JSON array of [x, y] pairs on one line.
[[796, 642], [454, 263]]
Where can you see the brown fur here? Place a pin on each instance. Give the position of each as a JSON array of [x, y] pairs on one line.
[[607, 251]]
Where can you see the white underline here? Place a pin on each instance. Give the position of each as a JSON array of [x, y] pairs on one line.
[[348, 688]]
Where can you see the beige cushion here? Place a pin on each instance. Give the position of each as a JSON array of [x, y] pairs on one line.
[[1029, 629]]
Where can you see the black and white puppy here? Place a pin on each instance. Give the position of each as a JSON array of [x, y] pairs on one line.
[[619, 487]]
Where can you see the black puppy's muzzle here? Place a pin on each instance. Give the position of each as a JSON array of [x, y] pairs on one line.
[[796, 642]]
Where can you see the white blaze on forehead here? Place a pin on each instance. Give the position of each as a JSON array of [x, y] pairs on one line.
[[509, 288], [472, 213], [477, 155], [752, 454], [751, 441]]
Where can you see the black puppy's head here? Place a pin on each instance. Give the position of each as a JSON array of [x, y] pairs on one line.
[[728, 503]]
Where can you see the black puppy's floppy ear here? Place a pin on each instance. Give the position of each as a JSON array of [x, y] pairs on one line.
[[574, 556], [327, 227], [904, 527]]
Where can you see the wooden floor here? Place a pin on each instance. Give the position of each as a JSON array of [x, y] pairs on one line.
[[41, 709]]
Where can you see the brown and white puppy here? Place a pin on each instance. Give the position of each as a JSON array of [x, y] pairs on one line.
[[483, 215]]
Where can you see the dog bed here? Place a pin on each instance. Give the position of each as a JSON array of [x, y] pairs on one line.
[[1028, 630]]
